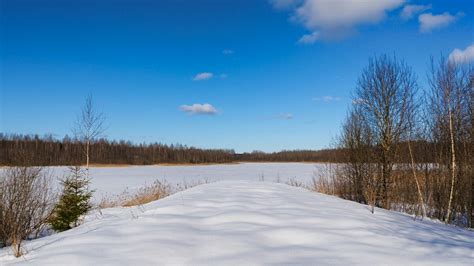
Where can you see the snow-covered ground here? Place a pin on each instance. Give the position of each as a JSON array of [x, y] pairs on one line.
[[250, 223], [110, 181]]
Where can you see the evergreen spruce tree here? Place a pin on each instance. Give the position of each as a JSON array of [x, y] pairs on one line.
[[74, 201]]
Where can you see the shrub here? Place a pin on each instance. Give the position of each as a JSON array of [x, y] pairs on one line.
[[74, 201], [26, 202]]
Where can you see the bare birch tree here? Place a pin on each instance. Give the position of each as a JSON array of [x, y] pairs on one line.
[[89, 125], [451, 89]]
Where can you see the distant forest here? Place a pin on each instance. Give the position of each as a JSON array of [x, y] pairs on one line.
[[47, 151]]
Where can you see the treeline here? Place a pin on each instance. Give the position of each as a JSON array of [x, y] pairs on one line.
[[422, 149], [47, 151], [326, 155], [390, 121]]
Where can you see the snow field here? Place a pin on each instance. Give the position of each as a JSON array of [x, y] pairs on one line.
[[250, 223]]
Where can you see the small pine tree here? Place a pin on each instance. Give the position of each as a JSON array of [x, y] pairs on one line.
[[74, 201]]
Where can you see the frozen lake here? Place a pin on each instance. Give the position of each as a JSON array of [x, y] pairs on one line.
[[114, 180]]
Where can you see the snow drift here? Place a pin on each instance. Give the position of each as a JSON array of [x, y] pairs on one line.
[[247, 222]]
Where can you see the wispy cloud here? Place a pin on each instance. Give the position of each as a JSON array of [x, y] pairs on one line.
[[286, 116], [409, 11], [203, 76], [357, 101], [228, 51], [326, 99], [284, 4], [459, 56], [310, 38], [281, 116], [199, 109], [430, 22], [223, 76]]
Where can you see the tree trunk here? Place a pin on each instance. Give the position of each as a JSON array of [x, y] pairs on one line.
[[16, 247], [453, 166], [87, 157], [420, 195], [385, 180]]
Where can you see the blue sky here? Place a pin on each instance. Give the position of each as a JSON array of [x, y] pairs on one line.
[[247, 75]]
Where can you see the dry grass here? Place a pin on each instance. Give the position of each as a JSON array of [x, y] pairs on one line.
[[108, 202], [325, 180], [147, 193]]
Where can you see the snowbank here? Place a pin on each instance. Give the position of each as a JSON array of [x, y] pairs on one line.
[[249, 222]]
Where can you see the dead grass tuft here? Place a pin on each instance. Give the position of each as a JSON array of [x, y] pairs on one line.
[[148, 193]]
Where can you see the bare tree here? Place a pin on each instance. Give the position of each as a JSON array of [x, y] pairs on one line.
[[358, 180], [451, 91], [414, 132], [26, 202], [89, 125], [356, 140], [433, 149], [385, 91]]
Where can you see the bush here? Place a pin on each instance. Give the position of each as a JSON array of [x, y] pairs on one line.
[[26, 203], [74, 201]]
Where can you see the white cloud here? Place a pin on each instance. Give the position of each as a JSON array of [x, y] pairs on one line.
[[459, 56], [326, 98], [409, 11], [203, 76], [338, 18], [200, 109], [429, 22], [310, 38]]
